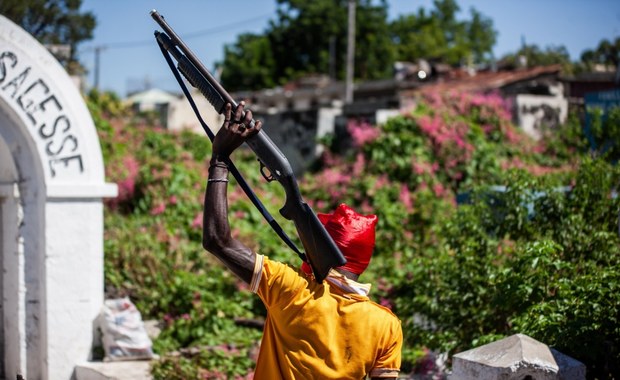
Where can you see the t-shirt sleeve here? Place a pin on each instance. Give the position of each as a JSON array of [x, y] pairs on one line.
[[274, 282], [388, 363]]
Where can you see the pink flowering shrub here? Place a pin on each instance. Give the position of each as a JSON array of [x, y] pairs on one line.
[[408, 171], [127, 173], [362, 132], [447, 142]]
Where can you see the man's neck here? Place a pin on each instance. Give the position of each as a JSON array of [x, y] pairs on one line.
[[347, 274]]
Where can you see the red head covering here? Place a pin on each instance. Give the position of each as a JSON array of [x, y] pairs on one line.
[[353, 233]]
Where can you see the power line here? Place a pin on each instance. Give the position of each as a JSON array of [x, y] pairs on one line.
[[219, 28], [187, 36], [122, 45]]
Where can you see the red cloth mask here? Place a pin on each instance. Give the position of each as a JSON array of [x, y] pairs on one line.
[[353, 233]]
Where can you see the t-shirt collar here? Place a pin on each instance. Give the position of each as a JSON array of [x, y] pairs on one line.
[[346, 284]]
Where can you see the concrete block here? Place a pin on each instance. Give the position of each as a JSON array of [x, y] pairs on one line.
[[128, 370], [517, 357]]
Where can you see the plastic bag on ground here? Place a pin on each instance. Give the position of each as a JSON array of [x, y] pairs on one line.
[[123, 334]]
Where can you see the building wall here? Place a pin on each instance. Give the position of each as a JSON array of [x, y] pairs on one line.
[[181, 116], [538, 113], [52, 214]]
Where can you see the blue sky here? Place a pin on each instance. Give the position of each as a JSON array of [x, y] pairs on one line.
[[131, 57]]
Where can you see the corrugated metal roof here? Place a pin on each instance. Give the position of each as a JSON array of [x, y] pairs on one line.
[[483, 81]]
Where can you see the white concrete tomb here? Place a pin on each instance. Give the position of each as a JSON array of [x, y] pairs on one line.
[[51, 214], [516, 357]]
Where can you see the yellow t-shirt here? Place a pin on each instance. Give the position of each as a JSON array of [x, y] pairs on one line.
[[320, 331]]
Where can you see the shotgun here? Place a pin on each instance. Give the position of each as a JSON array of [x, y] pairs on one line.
[[321, 252]]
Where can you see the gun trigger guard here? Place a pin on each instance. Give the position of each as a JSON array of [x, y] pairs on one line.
[[266, 173]]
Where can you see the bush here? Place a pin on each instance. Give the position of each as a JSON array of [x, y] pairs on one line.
[[548, 273], [535, 250], [605, 133]]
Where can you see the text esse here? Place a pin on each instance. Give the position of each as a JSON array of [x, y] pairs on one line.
[[44, 110]]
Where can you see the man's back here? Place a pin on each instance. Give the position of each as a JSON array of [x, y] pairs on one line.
[[323, 331], [313, 331]]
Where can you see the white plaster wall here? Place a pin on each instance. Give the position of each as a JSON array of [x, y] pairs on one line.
[[301, 104], [73, 280], [181, 115], [326, 125], [23, 257], [530, 113], [54, 277], [382, 116], [13, 287]]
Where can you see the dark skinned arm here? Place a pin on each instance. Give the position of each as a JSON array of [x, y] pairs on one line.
[[217, 238]]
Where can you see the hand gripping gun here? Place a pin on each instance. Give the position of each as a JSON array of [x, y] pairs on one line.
[[320, 250]]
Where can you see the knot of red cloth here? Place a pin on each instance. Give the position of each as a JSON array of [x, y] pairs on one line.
[[353, 233]]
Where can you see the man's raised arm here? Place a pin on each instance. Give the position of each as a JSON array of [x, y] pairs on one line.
[[217, 238]]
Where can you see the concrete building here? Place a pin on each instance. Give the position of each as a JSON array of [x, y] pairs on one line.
[[150, 100], [537, 93], [298, 114]]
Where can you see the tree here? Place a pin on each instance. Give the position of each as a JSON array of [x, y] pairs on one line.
[[248, 63], [300, 41], [480, 36], [438, 35], [53, 22], [535, 56], [305, 33], [607, 53]]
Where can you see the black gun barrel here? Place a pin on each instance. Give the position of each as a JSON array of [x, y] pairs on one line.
[[192, 57], [322, 253]]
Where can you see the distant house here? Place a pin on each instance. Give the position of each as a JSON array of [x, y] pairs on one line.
[[540, 80], [585, 83], [151, 100], [299, 113], [174, 111], [537, 93]]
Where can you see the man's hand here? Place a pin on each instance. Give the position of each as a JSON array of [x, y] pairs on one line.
[[216, 237], [236, 129]]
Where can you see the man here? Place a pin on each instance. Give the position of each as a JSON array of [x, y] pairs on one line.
[[312, 331]]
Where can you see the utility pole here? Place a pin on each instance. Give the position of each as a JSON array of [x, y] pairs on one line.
[[350, 53], [98, 50], [332, 58]]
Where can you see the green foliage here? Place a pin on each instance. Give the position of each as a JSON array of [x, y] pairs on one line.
[[227, 363], [249, 63], [439, 35], [605, 133], [200, 309], [547, 272], [106, 104], [535, 56], [298, 42], [300, 38], [567, 140], [535, 250], [607, 53]]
